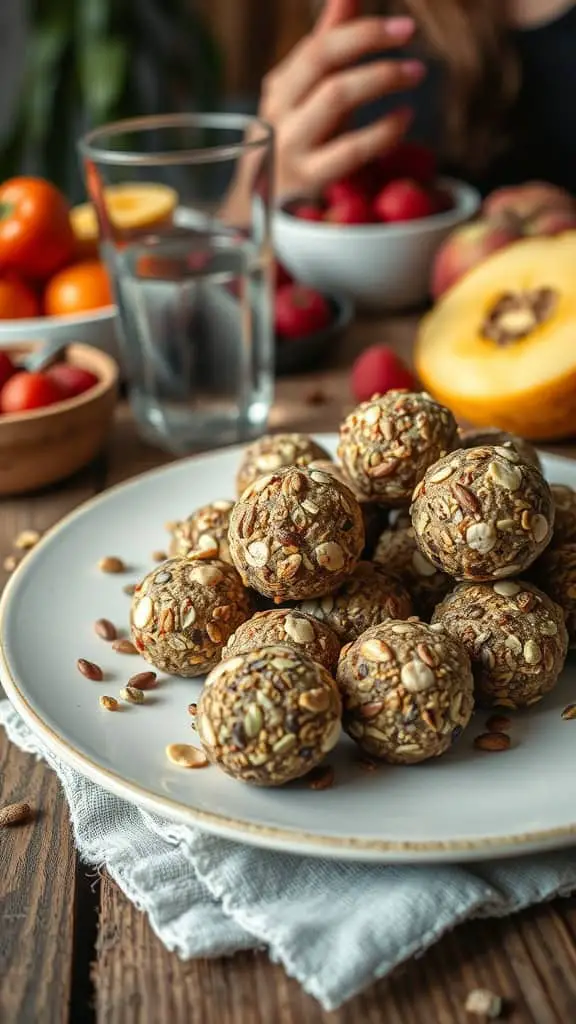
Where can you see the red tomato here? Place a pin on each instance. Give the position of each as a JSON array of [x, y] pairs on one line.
[[17, 300], [7, 368], [36, 236], [26, 391], [72, 380]]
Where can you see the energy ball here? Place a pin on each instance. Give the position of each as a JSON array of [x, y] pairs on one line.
[[275, 451], [407, 691], [493, 436], [366, 598], [515, 636], [375, 516], [565, 518], [482, 513], [269, 715], [295, 533], [204, 532], [184, 611], [388, 443], [555, 572], [288, 627], [398, 553]]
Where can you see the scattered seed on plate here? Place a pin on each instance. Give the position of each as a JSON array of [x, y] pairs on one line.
[[26, 539], [498, 723], [15, 814], [492, 741], [366, 764], [90, 670], [143, 681], [159, 556], [124, 646], [192, 709], [321, 777], [10, 563], [105, 629], [132, 695], [109, 703], [186, 756], [110, 563], [569, 711], [483, 1003], [129, 589]]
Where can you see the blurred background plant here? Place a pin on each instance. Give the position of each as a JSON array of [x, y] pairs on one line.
[[93, 61]]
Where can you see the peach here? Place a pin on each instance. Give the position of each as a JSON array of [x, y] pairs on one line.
[[468, 246], [551, 222], [525, 201]]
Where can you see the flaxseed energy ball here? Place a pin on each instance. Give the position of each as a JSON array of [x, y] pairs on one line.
[[288, 627], [515, 636], [474, 438], [482, 513], [367, 597], [407, 691], [387, 444], [275, 451], [184, 611], [268, 716], [204, 531], [398, 553], [295, 533], [375, 516], [565, 517], [555, 573]]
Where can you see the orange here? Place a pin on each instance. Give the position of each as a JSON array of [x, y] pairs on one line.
[[78, 288]]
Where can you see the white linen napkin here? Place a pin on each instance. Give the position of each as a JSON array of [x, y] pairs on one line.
[[336, 927]]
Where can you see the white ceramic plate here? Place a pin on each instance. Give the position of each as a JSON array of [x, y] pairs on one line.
[[467, 804]]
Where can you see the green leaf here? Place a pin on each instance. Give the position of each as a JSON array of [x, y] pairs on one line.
[[93, 18], [103, 66]]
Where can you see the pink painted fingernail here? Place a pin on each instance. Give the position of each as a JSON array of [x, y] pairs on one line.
[[399, 28], [413, 69]]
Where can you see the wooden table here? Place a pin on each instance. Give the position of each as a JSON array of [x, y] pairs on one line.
[[73, 949]]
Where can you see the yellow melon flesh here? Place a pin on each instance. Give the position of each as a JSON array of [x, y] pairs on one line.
[[528, 385], [130, 207]]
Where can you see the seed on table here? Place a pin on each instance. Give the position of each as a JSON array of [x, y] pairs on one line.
[[15, 814], [10, 563], [483, 1003], [186, 756], [90, 670], [492, 741], [109, 703], [498, 723], [132, 695], [192, 709], [26, 539], [143, 681], [110, 563], [366, 764], [321, 777], [105, 629], [159, 556], [569, 711], [129, 588], [124, 646]]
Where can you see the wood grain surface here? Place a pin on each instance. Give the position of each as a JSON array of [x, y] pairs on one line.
[[73, 950]]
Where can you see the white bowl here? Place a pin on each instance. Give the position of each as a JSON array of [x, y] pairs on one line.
[[96, 327], [378, 266]]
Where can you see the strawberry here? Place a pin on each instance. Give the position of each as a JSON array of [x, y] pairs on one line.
[[300, 310], [402, 200], [409, 160], [350, 209], [307, 211], [379, 369]]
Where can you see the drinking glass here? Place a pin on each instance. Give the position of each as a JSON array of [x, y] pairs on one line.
[[183, 207]]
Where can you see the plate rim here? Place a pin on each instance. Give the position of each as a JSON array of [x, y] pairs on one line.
[[236, 828]]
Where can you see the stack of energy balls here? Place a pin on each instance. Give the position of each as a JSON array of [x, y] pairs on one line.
[[385, 593]]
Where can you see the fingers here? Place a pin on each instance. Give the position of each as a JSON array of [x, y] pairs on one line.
[[321, 54], [340, 94], [348, 152], [336, 11]]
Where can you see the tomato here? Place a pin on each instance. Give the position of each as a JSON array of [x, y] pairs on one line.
[[36, 236], [17, 300], [26, 391], [78, 288], [7, 368], [72, 380]]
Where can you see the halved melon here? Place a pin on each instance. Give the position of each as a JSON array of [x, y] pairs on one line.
[[131, 206], [499, 349]]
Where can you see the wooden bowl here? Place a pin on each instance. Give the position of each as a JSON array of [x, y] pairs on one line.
[[43, 446]]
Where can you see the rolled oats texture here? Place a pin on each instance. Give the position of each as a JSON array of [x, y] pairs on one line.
[[295, 533], [482, 514], [387, 444], [565, 517], [268, 716], [474, 438], [375, 516], [183, 612], [407, 691], [276, 451], [367, 597], [398, 553], [205, 531], [515, 636], [286, 626], [555, 573]]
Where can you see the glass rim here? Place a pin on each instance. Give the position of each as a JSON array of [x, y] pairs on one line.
[[90, 150]]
